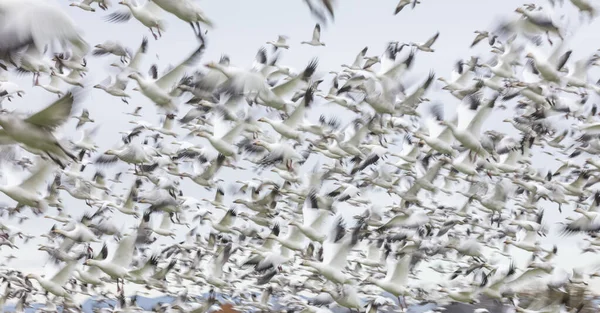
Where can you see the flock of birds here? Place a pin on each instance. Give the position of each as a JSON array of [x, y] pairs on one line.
[[291, 237]]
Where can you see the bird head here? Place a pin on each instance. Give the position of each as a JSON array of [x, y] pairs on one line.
[[212, 65], [202, 134]]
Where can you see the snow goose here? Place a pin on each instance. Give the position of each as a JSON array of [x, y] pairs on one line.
[[148, 14], [214, 274], [131, 153], [114, 48], [36, 130], [142, 275], [86, 5], [335, 253], [439, 138], [549, 69], [116, 88], [345, 295], [117, 267], [404, 3], [280, 43], [9, 89], [53, 86], [27, 192], [161, 91], [92, 275], [289, 127], [461, 78], [281, 153], [77, 232], [32, 61], [206, 178], [165, 227], [316, 38], [578, 77], [469, 133], [55, 285], [426, 46], [313, 219], [223, 141], [589, 222], [585, 6], [83, 118], [396, 279], [73, 78], [26, 22], [357, 64], [539, 20], [187, 11], [322, 10], [350, 146], [529, 243], [481, 35]]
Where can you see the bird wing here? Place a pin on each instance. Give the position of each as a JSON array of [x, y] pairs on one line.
[[530, 237], [62, 277], [137, 59], [360, 56], [432, 40], [298, 115], [124, 253], [36, 179], [5, 139], [480, 117], [166, 221], [234, 132], [168, 80], [317, 32], [55, 114], [152, 7], [400, 270], [26, 22]]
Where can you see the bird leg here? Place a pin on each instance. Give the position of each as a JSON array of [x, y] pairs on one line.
[[158, 29], [194, 28], [400, 303], [124, 100], [153, 34], [548, 36]]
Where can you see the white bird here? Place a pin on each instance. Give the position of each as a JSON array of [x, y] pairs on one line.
[[27, 21], [36, 131], [316, 37], [148, 14]]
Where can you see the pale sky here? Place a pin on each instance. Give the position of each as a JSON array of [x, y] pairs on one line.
[[242, 27]]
